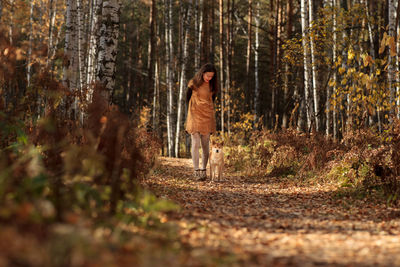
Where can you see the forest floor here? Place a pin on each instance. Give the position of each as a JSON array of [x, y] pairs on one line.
[[265, 221]]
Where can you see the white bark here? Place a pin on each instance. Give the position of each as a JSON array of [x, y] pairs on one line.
[[94, 36], [52, 18], [109, 32], [70, 69], [313, 67], [168, 69], [307, 73], [183, 82]]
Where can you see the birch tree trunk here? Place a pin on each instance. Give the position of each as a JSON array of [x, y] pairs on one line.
[[392, 53], [70, 68], [183, 82], [221, 62], [256, 80], [92, 50], [51, 47], [109, 32], [308, 100], [169, 53], [314, 67], [81, 44]]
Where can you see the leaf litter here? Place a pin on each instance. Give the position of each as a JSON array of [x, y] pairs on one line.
[[273, 221]]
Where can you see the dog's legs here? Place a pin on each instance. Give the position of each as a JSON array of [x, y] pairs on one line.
[[212, 172]]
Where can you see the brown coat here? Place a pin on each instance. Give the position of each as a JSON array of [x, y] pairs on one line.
[[201, 113]]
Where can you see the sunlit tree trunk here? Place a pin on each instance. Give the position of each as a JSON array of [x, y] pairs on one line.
[[183, 82], [307, 74], [169, 79], [109, 32], [314, 67], [94, 37]]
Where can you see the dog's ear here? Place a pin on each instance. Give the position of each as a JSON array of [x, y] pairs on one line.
[[222, 143]]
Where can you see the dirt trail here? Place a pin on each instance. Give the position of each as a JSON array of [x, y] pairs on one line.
[[267, 221]]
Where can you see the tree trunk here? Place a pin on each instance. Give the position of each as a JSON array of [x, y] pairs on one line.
[[221, 62], [256, 67], [289, 14], [183, 82], [151, 50], [70, 68], [92, 51], [109, 32], [29, 63], [51, 47], [249, 43], [392, 54], [397, 62], [306, 60], [314, 67], [169, 53]]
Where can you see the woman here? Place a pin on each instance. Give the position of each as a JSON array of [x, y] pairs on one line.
[[200, 122]]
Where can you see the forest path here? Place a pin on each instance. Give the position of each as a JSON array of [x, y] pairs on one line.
[[275, 222]]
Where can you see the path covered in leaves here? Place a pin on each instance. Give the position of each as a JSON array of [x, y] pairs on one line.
[[267, 221]]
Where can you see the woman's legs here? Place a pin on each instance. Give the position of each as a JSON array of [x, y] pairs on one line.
[[205, 145], [204, 140], [195, 150]]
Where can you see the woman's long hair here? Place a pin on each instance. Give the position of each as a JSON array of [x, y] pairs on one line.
[[198, 77]]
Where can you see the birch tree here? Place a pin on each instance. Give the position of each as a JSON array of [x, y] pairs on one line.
[[313, 66], [109, 32], [70, 68], [168, 75], [94, 37], [307, 74], [183, 82]]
